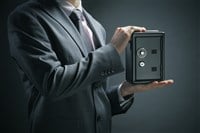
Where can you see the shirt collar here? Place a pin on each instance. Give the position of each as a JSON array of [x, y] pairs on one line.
[[68, 7]]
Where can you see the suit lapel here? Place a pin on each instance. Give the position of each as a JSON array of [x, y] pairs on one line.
[[58, 15], [52, 8], [95, 28]]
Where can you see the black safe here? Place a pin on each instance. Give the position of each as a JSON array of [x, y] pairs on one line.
[[145, 57]]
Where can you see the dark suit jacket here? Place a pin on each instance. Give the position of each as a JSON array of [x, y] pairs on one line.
[[66, 86]]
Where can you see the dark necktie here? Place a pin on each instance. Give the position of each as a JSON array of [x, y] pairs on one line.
[[77, 18]]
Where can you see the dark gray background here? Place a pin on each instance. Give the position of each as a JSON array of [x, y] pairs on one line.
[[199, 67], [174, 109]]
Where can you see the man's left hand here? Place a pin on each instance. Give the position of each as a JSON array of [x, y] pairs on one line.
[[128, 89]]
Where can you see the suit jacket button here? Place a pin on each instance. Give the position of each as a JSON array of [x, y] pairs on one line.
[[109, 72]]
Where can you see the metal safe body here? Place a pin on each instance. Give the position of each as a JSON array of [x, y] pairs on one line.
[[145, 57]]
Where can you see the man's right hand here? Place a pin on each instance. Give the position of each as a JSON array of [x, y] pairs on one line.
[[122, 35]]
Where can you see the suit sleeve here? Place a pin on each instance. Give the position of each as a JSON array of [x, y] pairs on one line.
[[116, 106], [32, 51]]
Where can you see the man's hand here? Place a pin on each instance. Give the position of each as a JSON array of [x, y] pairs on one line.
[[122, 35], [120, 40], [128, 89]]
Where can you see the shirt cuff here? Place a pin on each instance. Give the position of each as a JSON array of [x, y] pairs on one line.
[[123, 100]]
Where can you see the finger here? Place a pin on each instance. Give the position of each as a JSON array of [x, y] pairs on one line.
[[139, 29], [118, 29], [128, 29], [163, 83], [153, 84], [167, 81], [160, 84], [171, 81], [131, 29]]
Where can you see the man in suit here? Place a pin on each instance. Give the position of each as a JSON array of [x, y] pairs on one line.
[[63, 61]]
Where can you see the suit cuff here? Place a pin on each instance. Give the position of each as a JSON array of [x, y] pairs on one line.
[[123, 100], [118, 107]]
